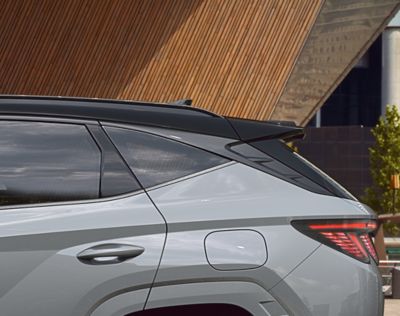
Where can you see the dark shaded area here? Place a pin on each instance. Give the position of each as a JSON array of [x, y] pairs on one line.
[[341, 152], [195, 310], [251, 130], [19, 197], [357, 100]]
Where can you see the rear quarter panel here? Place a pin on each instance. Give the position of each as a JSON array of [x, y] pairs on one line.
[[236, 196]]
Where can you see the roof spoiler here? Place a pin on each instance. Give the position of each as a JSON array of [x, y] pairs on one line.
[[250, 130]]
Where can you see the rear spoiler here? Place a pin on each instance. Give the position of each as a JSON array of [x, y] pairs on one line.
[[250, 130]]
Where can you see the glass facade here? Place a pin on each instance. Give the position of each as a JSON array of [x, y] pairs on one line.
[[357, 100]]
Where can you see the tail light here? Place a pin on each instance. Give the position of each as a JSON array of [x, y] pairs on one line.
[[351, 237]]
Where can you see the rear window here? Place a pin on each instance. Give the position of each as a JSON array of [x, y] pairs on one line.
[[156, 160], [277, 159]]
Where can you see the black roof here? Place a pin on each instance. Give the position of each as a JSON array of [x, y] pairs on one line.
[[146, 113]]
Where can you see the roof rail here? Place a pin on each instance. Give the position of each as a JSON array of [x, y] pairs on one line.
[[131, 112], [187, 102], [104, 100], [181, 117]]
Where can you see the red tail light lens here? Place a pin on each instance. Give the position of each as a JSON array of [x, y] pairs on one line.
[[369, 245], [351, 237]]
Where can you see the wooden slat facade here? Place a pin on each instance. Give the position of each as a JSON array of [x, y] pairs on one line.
[[231, 56]]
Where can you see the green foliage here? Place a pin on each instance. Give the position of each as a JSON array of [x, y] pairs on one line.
[[384, 162]]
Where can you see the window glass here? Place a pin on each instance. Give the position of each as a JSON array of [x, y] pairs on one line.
[[116, 176], [155, 159], [302, 170], [47, 162]]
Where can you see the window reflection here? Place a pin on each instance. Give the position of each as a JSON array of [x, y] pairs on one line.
[[46, 162], [156, 160]]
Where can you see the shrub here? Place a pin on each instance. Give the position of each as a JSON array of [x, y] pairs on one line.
[[385, 161]]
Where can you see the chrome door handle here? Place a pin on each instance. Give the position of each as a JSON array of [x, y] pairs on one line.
[[109, 253]]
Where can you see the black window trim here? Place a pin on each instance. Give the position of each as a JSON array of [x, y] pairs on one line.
[[74, 202], [107, 147]]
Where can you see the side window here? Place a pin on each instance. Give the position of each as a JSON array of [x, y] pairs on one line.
[[116, 176], [47, 162], [155, 159]]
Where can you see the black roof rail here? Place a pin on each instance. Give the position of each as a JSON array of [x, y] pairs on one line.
[[132, 112], [104, 100], [187, 102], [180, 117]]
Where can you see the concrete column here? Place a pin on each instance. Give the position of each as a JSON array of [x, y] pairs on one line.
[[390, 67], [380, 243], [318, 119]]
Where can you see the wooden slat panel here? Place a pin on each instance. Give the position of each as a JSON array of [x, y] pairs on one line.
[[231, 56]]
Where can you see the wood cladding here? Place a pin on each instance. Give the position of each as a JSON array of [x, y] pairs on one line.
[[230, 56]]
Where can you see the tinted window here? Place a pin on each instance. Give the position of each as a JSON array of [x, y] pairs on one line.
[[116, 177], [274, 167], [156, 160], [46, 162], [284, 155]]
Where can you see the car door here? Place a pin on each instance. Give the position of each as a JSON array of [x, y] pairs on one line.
[[76, 229]]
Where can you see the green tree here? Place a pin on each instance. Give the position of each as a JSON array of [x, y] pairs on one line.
[[384, 162]]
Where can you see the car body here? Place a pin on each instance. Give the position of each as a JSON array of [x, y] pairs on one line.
[[130, 208]]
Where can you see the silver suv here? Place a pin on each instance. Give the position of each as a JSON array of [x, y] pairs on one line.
[[125, 208]]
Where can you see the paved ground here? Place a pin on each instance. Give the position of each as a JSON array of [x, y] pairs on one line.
[[392, 307]]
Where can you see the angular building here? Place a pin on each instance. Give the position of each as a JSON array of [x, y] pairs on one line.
[[339, 135], [258, 59]]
